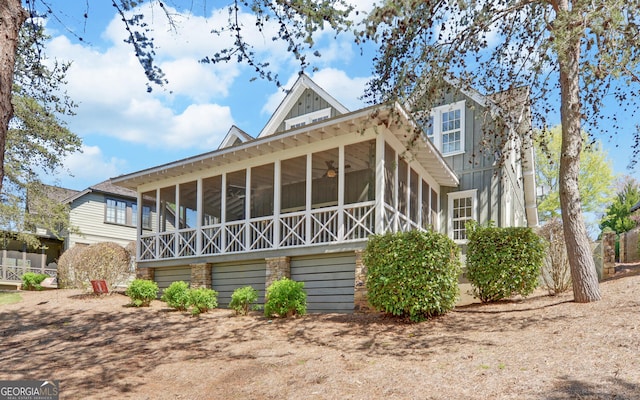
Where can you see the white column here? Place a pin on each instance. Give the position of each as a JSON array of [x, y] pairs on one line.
[[379, 193], [341, 164], [199, 213], [277, 183], [223, 214], [307, 232]]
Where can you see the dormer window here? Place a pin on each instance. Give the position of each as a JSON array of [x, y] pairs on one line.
[[305, 119]]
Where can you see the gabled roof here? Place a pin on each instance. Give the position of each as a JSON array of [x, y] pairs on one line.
[[303, 83], [105, 187], [234, 136]]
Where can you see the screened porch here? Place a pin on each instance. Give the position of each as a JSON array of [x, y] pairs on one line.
[[319, 198]]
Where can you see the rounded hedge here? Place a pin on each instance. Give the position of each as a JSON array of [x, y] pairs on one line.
[[503, 262], [177, 295], [285, 298], [412, 274]]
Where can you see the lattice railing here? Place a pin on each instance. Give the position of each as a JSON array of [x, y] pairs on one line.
[[324, 225], [359, 221], [212, 240], [166, 245], [148, 247], [235, 234], [261, 233], [187, 242], [292, 229]]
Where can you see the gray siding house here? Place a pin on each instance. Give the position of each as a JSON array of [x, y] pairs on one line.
[[302, 197]]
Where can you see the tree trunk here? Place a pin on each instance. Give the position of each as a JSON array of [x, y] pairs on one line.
[[583, 271], [12, 15]]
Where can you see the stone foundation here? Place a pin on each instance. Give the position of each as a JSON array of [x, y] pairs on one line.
[[201, 275], [360, 302], [277, 268], [608, 254], [145, 273]]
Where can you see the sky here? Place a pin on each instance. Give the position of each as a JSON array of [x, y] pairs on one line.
[[125, 129]]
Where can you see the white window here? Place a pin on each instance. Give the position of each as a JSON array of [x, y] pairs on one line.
[[116, 212], [462, 208], [309, 118], [445, 128]]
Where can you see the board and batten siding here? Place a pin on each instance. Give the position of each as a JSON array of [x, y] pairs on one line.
[[227, 277], [308, 102], [88, 215], [164, 277], [328, 280]]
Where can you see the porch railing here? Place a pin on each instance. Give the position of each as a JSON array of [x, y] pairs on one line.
[[349, 223], [13, 273]]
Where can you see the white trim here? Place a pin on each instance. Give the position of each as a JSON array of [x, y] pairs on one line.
[[436, 116], [307, 119], [303, 83], [473, 194]]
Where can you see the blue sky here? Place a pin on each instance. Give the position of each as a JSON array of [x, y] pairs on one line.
[[126, 129]]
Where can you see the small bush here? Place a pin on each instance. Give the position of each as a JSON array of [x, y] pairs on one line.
[[242, 298], [106, 261], [141, 292], [177, 295], [556, 273], [32, 281], [503, 262], [285, 298], [412, 274], [202, 300]]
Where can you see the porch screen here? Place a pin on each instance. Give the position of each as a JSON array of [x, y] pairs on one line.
[[358, 172], [293, 190]]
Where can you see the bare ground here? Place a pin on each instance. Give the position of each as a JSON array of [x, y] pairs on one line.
[[540, 348]]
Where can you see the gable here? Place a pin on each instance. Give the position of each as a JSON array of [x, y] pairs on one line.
[[305, 98], [234, 137]]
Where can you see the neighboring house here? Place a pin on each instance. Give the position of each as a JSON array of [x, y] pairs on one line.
[[100, 213], [301, 199]]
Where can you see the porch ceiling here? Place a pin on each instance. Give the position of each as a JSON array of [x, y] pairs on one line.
[[423, 150]]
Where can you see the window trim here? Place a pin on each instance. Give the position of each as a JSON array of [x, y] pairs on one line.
[[130, 217], [306, 119], [473, 194], [435, 118]]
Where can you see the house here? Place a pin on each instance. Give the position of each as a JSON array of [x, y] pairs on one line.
[[302, 197], [100, 213]]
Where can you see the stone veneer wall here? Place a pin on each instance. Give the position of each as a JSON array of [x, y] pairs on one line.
[[145, 273], [201, 275], [608, 254], [277, 268], [360, 302]]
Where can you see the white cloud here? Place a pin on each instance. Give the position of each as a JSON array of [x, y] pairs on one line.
[[92, 166]]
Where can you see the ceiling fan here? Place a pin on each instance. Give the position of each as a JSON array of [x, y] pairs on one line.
[[332, 170]]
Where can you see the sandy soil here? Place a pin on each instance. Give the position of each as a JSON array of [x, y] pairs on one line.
[[540, 348]]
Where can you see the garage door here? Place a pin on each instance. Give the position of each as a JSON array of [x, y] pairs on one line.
[[328, 281], [165, 276], [225, 278]]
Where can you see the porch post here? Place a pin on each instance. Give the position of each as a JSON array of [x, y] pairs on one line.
[[199, 202], [341, 182], [379, 191], [307, 216], [277, 268], [200, 275], [360, 302], [277, 185], [139, 228]]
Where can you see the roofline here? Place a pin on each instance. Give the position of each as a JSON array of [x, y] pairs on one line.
[[363, 112]]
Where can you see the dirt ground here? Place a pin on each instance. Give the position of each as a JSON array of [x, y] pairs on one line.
[[540, 348]]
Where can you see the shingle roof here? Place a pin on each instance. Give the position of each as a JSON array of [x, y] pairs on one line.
[[636, 207]]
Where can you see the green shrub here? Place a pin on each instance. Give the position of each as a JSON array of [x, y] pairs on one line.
[[202, 300], [242, 298], [412, 274], [502, 262], [141, 292], [285, 298], [177, 295], [32, 281]]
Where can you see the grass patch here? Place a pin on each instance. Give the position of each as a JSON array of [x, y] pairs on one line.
[[10, 298]]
